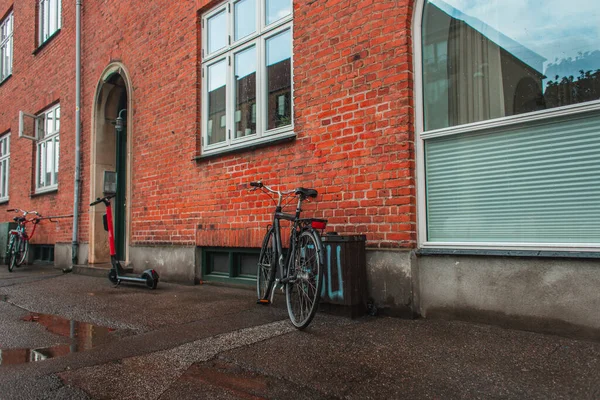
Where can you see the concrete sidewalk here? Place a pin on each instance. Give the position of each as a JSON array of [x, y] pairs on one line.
[[182, 342]]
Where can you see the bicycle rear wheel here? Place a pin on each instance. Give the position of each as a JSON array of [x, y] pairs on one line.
[[265, 273], [304, 289]]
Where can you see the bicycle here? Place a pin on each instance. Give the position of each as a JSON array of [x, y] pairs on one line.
[[18, 245], [300, 272]]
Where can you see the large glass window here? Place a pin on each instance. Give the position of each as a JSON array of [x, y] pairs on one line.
[[48, 149], [49, 18], [4, 166], [247, 74], [6, 46], [510, 134]]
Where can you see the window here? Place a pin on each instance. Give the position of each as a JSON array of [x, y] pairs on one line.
[[230, 265], [6, 46], [246, 74], [50, 18], [4, 166], [48, 128], [509, 116]]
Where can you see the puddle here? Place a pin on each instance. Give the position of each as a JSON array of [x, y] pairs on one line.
[[83, 335]]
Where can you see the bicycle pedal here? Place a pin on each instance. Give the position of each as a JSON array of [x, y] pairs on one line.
[[264, 302]]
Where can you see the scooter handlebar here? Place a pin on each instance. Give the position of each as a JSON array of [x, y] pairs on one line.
[[105, 200]]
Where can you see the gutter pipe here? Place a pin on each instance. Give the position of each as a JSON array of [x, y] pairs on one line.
[[77, 183]]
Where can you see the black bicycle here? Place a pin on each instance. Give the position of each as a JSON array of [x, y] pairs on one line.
[[299, 268]]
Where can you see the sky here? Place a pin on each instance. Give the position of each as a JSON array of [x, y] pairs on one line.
[[554, 29]]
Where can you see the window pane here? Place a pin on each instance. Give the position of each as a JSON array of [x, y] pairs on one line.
[[49, 158], [49, 123], [56, 158], [277, 9], [534, 184], [4, 178], [53, 16], [46, 20], [279, 81], [245, 92], [216, 102], [485, 60], [245, 18], [217, 32], [57, 120], [41, 164]]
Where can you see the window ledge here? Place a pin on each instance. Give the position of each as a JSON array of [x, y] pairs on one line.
[[509, 253], [45, 43], [6, 79], [287, 137], [41, 192], [4, 201]]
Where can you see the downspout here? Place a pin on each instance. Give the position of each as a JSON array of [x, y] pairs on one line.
[[75, 243]]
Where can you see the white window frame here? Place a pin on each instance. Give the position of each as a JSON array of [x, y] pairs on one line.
[[4, 184], [44, 19], [6, 42], [258, 40], [421, 136], [43, 138]]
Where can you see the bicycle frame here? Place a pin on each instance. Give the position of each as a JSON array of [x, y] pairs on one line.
[[298, 225]]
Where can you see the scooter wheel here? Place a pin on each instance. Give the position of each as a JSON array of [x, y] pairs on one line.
[[112, 276], [151, 283]]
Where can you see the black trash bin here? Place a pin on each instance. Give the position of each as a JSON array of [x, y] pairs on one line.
[[344, 286]]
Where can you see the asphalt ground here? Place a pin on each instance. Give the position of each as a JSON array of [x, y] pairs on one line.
[[214, 342]]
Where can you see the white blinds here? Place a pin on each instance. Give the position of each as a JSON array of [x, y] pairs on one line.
[[538, 183]]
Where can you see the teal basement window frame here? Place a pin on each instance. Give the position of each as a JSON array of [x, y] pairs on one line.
[[230, 265]]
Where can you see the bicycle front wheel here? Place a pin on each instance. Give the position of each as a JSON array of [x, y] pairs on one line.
[[10, 256], [265, 273], [22, 246], [304, 289]]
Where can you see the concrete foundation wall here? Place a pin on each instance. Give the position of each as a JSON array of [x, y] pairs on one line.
[[63, 251], [545, 295], [391, 278], [173, 263]]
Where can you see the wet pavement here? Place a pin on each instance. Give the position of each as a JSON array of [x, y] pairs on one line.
[[180, 342]]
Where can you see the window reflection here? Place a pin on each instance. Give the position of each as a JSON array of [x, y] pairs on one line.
[[245, 18], [216, 129], [484, 60], [279, 80], [245, 92], [277, 9], [217, 32]]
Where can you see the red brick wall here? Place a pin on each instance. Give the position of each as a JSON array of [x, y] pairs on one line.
[[353, 121], [39, 80], [354, 126]]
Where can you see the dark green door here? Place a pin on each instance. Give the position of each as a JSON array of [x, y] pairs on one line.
[[121, 199]]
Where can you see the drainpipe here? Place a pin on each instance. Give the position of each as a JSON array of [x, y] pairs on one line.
[[75, 243]]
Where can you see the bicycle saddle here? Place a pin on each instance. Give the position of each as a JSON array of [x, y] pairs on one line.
[[306, 192], [19, 219]]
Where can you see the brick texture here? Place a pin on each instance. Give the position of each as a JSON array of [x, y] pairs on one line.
[[353, 101]]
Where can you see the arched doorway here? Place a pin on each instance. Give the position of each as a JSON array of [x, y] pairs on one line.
[[111, 151]]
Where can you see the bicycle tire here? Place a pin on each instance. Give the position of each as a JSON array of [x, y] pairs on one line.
[[303, 292], [266, 268], [9, 254], [22, 251]]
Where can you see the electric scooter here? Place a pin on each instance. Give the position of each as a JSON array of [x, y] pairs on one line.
[[117, 274]]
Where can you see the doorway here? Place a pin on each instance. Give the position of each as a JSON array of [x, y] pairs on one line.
[[111, 152]]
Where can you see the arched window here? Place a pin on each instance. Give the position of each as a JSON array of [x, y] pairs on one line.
[[508, 111]]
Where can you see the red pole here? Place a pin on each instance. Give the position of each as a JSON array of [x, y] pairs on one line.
[[111, 236]]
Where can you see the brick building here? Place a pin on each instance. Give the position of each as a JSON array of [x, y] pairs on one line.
[[428, 126]]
